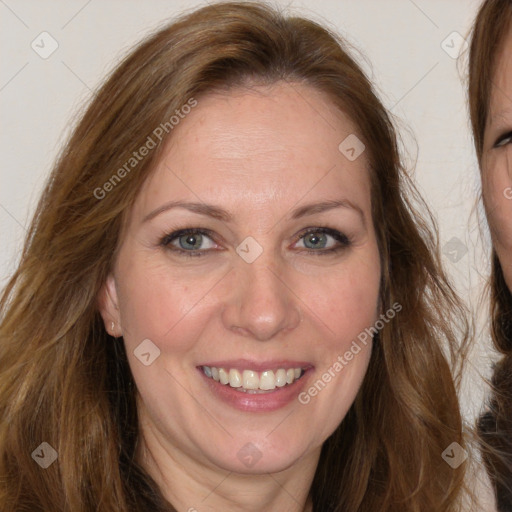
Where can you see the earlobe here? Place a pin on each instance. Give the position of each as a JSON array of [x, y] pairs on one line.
[[108, 306]]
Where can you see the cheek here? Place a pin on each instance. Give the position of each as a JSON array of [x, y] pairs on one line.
[[497, 194], [158, 303], [345, 352], [349, 307], [347, 300]]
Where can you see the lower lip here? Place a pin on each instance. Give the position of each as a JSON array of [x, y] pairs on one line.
[[256, 402]]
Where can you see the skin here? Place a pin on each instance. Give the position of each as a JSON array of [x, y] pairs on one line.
[[497, 161], [260, 154]]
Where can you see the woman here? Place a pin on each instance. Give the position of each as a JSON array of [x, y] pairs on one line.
[[490, 93], [226, 300]]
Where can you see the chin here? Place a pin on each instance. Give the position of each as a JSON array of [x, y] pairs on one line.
[[259, 457]]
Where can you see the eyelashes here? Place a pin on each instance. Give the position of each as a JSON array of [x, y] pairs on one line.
[[188, 242], [503, 140]]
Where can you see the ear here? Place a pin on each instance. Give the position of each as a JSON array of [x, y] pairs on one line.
[[109, 308]]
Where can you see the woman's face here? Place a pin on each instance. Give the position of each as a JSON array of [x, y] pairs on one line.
[[497, 160], [275, 278]]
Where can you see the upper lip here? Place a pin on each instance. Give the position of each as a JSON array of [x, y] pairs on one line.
[[258, 366]]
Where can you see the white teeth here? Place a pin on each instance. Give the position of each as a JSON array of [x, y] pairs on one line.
[[235, 379], [280, 378], [223, 376], [251, 381], [267, 380]]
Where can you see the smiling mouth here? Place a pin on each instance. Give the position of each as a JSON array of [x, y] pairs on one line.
[[249, 381]]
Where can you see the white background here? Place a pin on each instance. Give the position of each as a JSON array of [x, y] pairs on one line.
[[422, 85]]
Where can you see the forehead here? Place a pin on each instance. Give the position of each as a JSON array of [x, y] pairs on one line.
[[265, 118], [501, 84], [260, 145]]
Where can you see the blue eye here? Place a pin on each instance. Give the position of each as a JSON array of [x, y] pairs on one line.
[[190, 242], [323, 240]]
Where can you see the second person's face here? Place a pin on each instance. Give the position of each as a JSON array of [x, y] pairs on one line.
[[497, 160]]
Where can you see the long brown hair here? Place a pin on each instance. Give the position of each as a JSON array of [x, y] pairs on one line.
[[491, 27], [66, 382]]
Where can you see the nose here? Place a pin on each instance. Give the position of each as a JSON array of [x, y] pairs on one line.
[[261, 304]]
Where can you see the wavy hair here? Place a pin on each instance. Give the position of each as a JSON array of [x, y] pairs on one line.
[[64, 380], [491, 27]]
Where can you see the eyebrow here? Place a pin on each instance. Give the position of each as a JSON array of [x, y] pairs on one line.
[[219, 213]]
